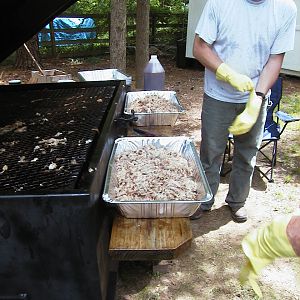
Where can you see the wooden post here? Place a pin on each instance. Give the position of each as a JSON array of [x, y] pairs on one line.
[[118, 34], [52, 38], [142, 40]]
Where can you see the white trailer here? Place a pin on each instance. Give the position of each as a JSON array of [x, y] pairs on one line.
[[291, 63]]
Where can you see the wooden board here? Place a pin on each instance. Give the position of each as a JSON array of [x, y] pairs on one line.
[[149, 239], [49, 76]]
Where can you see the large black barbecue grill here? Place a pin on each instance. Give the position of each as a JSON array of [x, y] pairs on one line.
[[55, 143], [47, 134]]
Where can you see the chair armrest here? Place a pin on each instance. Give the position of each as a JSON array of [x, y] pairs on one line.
[[286, 117]]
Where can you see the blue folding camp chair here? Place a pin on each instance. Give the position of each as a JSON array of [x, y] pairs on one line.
[[272, 133]]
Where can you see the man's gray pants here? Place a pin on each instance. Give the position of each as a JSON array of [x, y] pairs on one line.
[[216, 117]]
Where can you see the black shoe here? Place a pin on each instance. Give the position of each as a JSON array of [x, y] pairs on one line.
[[198, 213], [239, 215]]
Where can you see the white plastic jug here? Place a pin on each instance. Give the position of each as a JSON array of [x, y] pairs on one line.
[[154, 75]]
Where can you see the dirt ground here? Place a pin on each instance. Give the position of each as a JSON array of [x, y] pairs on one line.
[[209, 268]]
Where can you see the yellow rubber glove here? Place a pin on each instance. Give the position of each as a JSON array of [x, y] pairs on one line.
[[239, 81], [262, 246], [245, 121]]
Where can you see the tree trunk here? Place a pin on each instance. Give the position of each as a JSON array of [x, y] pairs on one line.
[[23, 59], [118, 34], [142, 40]]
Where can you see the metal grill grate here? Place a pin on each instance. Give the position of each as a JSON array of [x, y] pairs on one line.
[[46, 135]]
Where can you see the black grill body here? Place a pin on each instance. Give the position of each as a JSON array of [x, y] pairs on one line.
[[54, 227]]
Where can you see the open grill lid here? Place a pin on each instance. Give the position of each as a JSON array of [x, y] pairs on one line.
[[21, 20]]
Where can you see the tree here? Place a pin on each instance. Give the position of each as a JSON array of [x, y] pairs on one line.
[[142, 40], [23, 58], [118, 34]]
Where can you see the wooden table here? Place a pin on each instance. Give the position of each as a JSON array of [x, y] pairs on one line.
[[149, 239]]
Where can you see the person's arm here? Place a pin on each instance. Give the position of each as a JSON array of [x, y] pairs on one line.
[[246, 120], [293, 233], [262, 246], [270, 73], [203, 52]]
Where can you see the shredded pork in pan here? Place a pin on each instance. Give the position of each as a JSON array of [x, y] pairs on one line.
[[151, 173], [152, 103]]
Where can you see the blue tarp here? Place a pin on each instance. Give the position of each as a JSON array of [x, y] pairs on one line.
[[66, 23]]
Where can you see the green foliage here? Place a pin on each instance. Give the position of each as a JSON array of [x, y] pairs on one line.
[[288, 178], [167, 22], [171, 6], [291, 104], [166, 30], [103, 6], [88, 7]]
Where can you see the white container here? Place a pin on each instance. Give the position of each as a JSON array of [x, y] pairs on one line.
[[104, 75], [154, 75]]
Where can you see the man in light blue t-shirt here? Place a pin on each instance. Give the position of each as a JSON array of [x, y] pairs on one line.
[[241, 43]]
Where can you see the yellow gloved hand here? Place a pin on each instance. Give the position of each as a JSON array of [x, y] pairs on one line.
[[245, 121], [239, 81], [261, 247]]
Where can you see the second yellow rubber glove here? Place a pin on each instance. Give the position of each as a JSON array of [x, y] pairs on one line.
[[245, 121], [262, 246], [239, 81]]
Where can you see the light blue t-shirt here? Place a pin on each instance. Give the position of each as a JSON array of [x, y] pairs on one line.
[[244, 33]]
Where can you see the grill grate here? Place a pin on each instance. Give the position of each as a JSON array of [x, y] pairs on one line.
[[46, 135]]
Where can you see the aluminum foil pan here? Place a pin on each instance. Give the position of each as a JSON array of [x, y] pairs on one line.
[[157, 118], [144, 208], [104, 75]]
